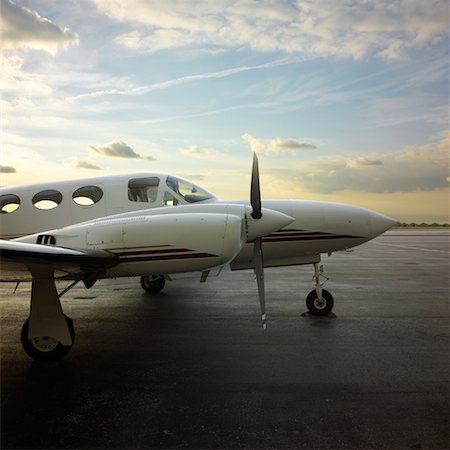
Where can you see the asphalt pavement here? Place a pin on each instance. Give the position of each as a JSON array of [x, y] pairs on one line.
[[192, 368]]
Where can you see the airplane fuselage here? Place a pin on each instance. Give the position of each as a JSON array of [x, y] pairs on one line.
[[318, 227]]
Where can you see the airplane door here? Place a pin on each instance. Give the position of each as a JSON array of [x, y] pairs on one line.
[[109, 236]]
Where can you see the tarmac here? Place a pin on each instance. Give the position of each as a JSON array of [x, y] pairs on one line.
[[192, 368]]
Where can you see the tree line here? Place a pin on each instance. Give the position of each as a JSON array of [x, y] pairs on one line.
[[424, 225]]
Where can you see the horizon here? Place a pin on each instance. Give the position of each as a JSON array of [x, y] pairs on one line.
[[345, 103]]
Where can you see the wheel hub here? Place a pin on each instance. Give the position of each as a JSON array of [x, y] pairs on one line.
[[320, 303], [44, 343]]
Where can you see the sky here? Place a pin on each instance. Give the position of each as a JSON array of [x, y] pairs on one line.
[[344, 100]]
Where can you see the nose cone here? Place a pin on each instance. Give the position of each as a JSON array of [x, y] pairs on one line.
[[380, 223], [270, 222]]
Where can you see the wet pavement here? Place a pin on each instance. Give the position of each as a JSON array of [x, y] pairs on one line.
[[192, 368]]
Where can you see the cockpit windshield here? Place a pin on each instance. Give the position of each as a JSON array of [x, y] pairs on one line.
[[189, 191]]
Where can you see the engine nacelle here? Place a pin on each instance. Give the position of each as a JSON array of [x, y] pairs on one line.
[[155, 244]]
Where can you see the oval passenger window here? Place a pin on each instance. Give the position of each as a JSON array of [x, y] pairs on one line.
[[87, 195], [9, 203], [47, 199]]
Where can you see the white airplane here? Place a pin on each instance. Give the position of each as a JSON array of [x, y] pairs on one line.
[[122, 226]]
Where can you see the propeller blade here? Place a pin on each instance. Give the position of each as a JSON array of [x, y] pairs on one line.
[[258, 262], [255, 192]]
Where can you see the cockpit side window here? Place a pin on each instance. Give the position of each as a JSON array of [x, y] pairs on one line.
[[169, 199], [143, 190], [189, 191]]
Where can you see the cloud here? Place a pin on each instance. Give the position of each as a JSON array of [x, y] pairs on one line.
[[85, 165], [387, 29], [20, 84], [118, 149], [145, 89], [158, 40], [420, 107], [194, 152], [276, 145], [198, 177], [7, 169], [24, 28], [361, 161], [415, 168]]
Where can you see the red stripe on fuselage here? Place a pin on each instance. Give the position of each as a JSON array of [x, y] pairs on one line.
[[125, 252], [272, 238], [146, 257]]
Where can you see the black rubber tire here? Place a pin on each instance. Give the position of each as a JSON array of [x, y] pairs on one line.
[[58, 352], [319, 310], [153, 284]]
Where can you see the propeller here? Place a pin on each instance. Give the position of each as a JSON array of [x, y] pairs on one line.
[[258, 261], [255, 191], [258, 257]]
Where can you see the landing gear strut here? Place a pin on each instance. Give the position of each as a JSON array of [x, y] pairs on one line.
[[153, 284], [47, 334], [319, 301]]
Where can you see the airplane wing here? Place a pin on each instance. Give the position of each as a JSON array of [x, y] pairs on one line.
[[19, 260]]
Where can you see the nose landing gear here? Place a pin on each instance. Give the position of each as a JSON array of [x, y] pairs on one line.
[[319, 301]]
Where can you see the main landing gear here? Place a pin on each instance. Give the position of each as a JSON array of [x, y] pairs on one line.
[[45, 348], [153, 284], [47, 334], [319, 301]]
